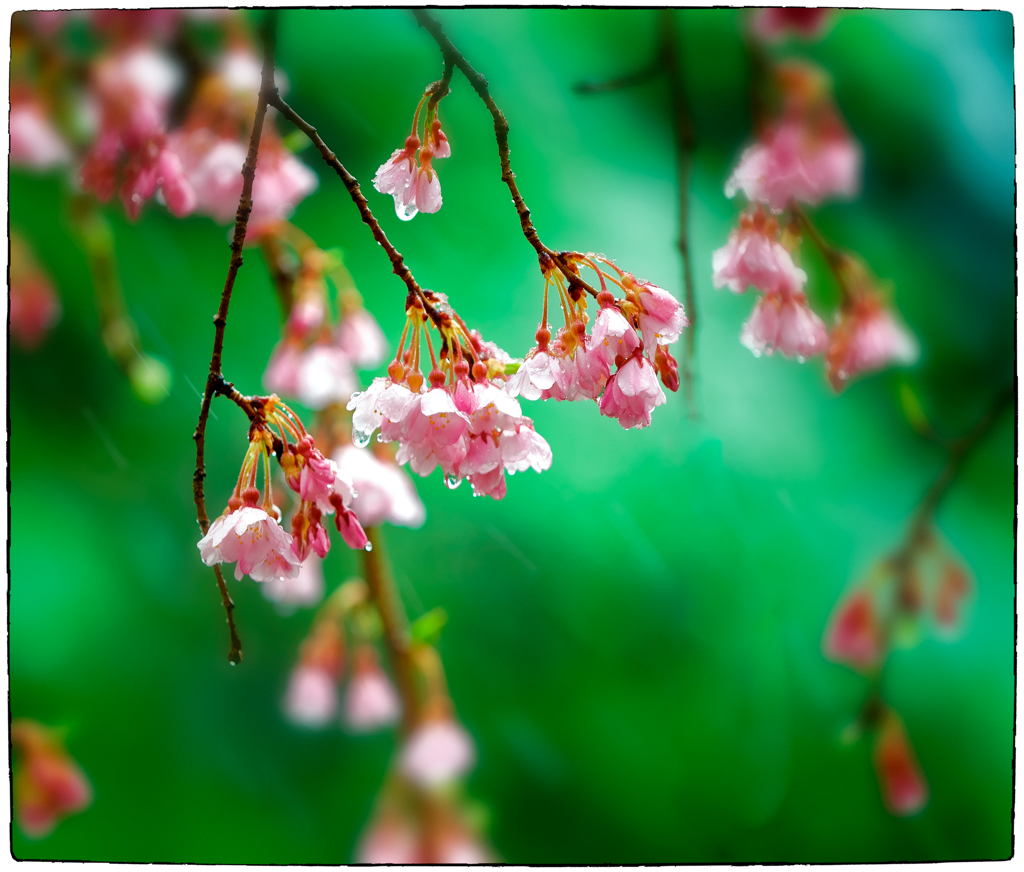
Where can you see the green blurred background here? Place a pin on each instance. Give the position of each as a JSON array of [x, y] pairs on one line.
[[634, 635]]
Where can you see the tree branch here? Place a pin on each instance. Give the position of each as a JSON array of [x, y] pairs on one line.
[[215, 380]]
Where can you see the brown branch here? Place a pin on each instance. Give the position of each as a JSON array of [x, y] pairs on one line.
[[453, 56], [398, 266], [684, 146], [395, 625], [215, 380]]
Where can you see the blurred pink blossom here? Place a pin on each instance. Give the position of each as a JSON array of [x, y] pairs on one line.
[[437, 752]]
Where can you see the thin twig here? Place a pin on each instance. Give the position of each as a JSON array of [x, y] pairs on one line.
[[684, 145], [215, 380], [452, 55]]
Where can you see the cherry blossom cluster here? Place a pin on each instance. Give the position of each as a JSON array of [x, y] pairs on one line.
[[315, 360], [114, 123], [806, 157], [420, 817], [619, 363], [459, 417], [920, 589], [48, 785], [409, 175], [249, 533], [370, 701]]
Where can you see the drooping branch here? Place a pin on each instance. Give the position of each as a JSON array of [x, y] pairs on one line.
[[452, 55], [398, 265], [215, 380]]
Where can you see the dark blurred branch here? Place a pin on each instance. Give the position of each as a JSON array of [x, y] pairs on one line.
[[215, 381], [684, 143], [452, 55], [667, 62], [385, 597]]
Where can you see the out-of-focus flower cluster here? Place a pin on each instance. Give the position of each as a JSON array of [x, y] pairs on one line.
[[115, 118], [805, 157], [34, 305], [48, 785], [921, 589]]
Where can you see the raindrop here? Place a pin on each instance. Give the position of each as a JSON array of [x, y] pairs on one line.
[[361, 438], [800, 359], [843, 374], [356, 395], [406, 213], [380, 437], [368, 546], [452, 481]]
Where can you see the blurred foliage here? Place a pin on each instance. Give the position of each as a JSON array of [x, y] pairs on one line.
[[633, 637]]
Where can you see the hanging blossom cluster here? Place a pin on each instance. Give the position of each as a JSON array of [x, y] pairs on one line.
[[113, 122], [48, 785], [806, 157], [249, 533], [316, 359], [409, 175], [921, 589], [370, 701], [420, 815], [465, 416]]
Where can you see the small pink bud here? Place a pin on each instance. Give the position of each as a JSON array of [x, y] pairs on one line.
[[904, 789]]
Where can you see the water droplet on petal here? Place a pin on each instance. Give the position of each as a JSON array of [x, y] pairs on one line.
[[380, 437], [356, 395], [800, 359], [361, 438], [406, 213], [452, 481]]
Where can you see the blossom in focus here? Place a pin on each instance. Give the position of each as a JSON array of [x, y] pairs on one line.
[[866, 337], [773, 23], [371, 701], [753, 258], [633, 393], [35, 142], [904, 789], [855, 635], [784, 323], [383, 491], [34, 306], [437, 752], [249, 537], [408, 176], [48, 785]]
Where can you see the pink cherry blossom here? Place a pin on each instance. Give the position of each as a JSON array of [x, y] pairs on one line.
[[752, 258], [423, 193], [305, 589], [540, 375], [784, 323], [360, 337], [904, 789], [866, 337], [437, 752], [396, 174], [383, 492], [793, 164], [383, 400], [632, 393], [391, 839], [312, 696], [282, 373], [371, 701], [438, 141], [325, 376], [432, 432], [612, 335], [252, 540], [855, 635], [35, 142], [661, 317]]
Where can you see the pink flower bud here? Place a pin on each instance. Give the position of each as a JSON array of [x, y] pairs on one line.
[[48, 785], [855, 635], [371, 701], [904, 789], [35, 142], [437, 752], [312, 697]]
